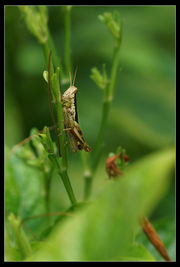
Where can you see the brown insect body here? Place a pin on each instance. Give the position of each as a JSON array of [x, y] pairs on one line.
[[75, 135]]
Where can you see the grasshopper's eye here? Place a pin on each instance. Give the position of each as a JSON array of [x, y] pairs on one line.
[[79, 147]]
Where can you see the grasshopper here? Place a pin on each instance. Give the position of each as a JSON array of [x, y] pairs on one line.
[[75, 135]]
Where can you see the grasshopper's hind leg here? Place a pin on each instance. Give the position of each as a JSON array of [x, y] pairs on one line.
[[65, 130]]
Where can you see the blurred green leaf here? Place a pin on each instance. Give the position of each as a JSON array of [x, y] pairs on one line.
[[105, 229], [138, 252], [145, 125], [23, 189]]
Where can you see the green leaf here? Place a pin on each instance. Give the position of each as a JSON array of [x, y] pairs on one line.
[[23, 189], [134, 120], [45, 75], [138, 252], [105, 229]]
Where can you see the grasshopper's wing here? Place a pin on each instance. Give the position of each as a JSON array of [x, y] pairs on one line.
[[72, 142], [76, 113], [68, 125], [81, 144]]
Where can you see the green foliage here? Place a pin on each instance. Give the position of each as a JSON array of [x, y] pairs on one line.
[[46, 141], [23, 188], [105, 229], [112, 21], [36, 20], [100, 79]]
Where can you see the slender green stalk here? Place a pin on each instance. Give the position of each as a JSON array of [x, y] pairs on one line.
[[47, 187], [63, 136], [46, 141], [87, 172], [99, 142], [20, 236], [66, 182], [62, 169], [113, 76], [46, 51], [88, 185], [67, 40], [56, 58], [108, 96], [61, 163], [60, 118]]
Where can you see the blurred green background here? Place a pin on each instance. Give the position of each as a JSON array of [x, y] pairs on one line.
[[142, 117]]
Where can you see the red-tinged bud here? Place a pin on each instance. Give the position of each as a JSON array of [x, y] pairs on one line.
[[126, 158], [111, 166]]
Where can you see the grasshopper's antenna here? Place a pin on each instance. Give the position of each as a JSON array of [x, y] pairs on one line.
[[70, 79], [75, 75]]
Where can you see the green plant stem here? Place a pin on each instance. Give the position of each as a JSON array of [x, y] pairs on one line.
[[47, 192], [67, 40], [20, 237], [60, 117], [66, 182], [99, 142], [62, 165], [47, 46], [46, 51], [56, 58], [108, 96], [87, 172], [47, 187], [56, 92], [62, 137], [110, 91], [88, 184]]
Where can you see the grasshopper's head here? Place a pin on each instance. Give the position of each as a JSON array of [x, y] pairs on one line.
[[70, 92]]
